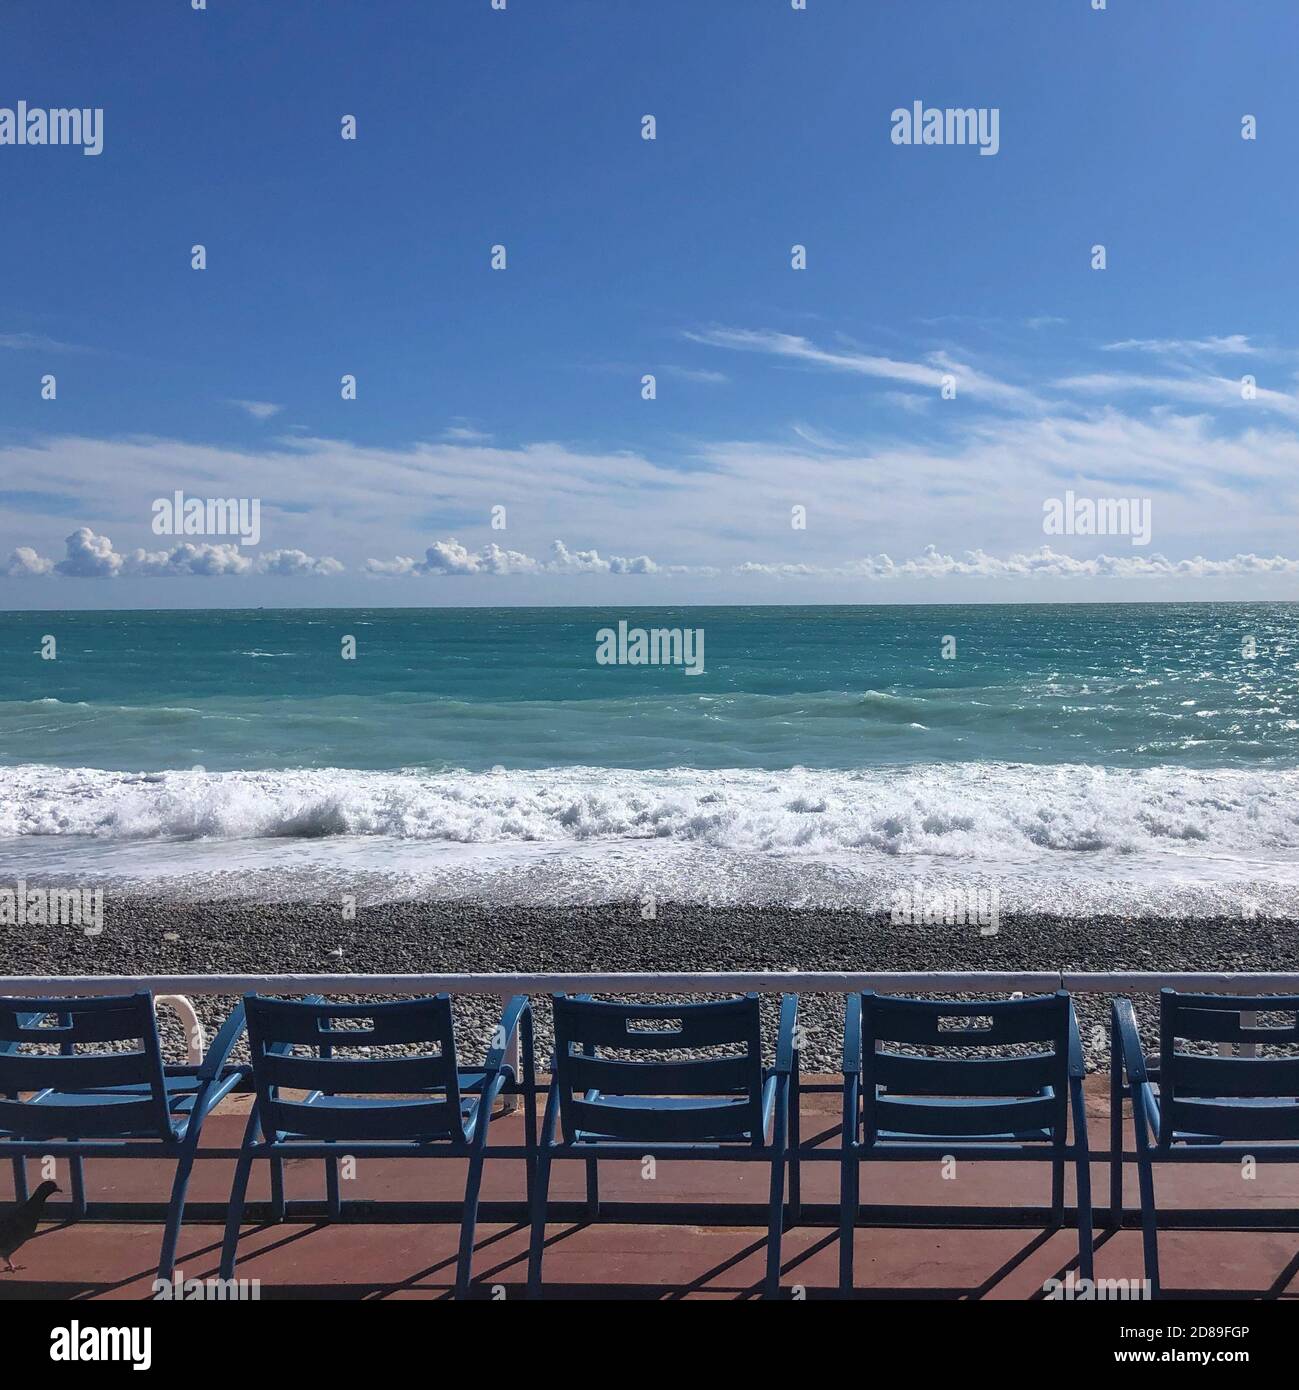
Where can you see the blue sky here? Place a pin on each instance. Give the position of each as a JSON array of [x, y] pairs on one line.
[[776, 388]]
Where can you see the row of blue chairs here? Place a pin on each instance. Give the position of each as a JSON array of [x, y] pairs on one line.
[[922, 1079]]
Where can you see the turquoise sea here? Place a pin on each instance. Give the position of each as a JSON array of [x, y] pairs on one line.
[[1151, 746]]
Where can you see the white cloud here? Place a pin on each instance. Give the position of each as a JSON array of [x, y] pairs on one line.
[[91, 556], [449, 557], [908, 400], [1232, 345], [187, 559], [565, 561], [297, 562], [25, 562], [1200, 390], [928, 373], [1220, 480], [700, 374], [1042, 563], [259, 410], [35, 342], [460, 431]]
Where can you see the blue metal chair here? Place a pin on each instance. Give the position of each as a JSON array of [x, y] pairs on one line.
[[402, 1105], [1198, 1108], [725, 1107], [110, 1102], [927, 1104]]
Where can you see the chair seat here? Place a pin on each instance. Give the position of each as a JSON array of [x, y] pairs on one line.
[[659, 1105], [1006, 1105], [182, 1091], [360, 1104], [1265, 1104], [888, 1136]]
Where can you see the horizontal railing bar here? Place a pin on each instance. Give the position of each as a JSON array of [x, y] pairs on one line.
[[671, 982]]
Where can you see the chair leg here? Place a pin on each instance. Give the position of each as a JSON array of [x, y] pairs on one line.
[[1085, 1234], [537, 1245], [468, 1221], [234, 1217], [175, 1215], [530, 1143], [238, 1198], [77, 1169], [775, 1226], [333, 1202], [849, 1179], [20, 1180], [1149, 1220], [528, 1088], [795, 1177], [592, 1189], [277, 1189], [1116, 1137], [1057, 1192]]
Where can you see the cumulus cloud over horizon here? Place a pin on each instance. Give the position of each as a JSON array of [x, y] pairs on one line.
[[450, 557], [89, 555], [1044, 562]]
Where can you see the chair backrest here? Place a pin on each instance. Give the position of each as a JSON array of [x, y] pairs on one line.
[[942, 1089], [721, 1095], [309, 1046], [1204, 1094], [39, 1050]]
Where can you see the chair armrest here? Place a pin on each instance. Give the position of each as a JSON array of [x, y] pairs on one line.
[[1125, 1038], [787, 1042], [505, 1032], [222, 1045], [852, 1036]]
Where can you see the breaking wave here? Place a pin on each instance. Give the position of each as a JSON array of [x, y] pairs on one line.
[[995, 811]]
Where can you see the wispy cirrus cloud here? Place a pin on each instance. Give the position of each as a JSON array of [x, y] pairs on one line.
[[1212, 391], [927, 374], [1232, 345], [259, 410], [703, 375], [460, 431], [36, 342]]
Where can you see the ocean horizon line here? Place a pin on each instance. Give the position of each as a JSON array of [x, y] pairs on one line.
[[653, 607]]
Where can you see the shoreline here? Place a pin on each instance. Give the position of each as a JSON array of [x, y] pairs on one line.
[[151, 934]]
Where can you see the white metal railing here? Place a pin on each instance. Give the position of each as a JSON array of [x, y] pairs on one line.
[[671, 982]]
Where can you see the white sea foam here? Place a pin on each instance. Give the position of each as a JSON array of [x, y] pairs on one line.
[[969, 811], [1065, 839]]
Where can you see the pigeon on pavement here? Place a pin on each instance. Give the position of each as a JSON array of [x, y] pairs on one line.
[[18, 1226]]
